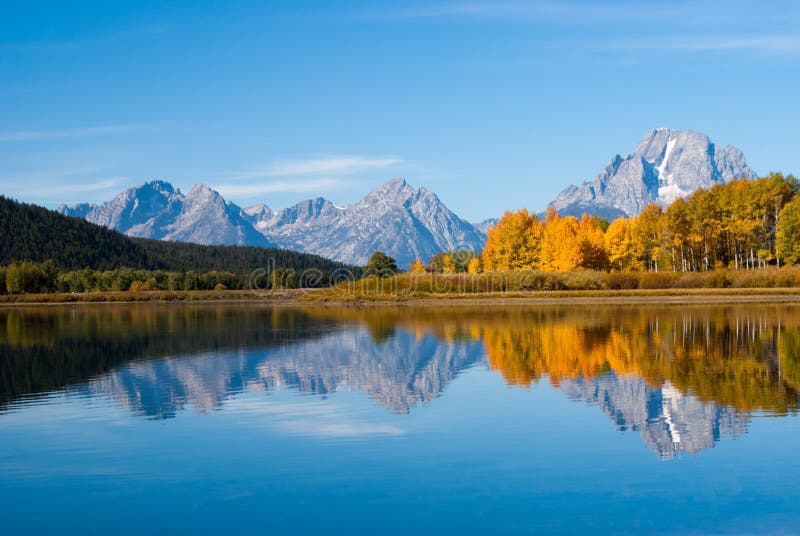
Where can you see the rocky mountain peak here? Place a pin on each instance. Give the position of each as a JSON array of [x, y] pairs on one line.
[[203, 192], [666, 165], [396, 188], [160, 186]]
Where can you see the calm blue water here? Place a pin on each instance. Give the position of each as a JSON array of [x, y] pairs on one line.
[[249, 419]]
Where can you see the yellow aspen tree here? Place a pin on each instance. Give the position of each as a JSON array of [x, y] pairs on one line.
[[788, 235], [514, 243], [448, 266], [647, 239], [561, 249], [592, 244], [417, 267], [620, 245]]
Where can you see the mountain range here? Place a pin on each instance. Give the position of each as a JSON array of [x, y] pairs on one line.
[[407, 223], [410, 223]]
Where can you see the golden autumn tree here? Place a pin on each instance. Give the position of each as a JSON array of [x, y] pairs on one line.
[[448, 265], [474, 266], [417, 267], [677, 231], [561, 249], [620, 247], [788, 235], [592, 244], [646, 236], [514, 243]]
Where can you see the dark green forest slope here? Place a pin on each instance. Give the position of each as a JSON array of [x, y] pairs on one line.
[[32, 233]]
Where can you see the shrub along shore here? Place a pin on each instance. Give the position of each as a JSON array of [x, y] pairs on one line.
[[586, 283], [569, 287]]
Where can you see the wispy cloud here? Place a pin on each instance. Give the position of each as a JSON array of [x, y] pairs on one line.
[[320, 173], [23, 90], [329, 165], [60, 185], [297, 186], [96, 186], [312, 418], [541, 10], [69, 45], [36, 135], [772, 45], [58, 174], [675, 26], [58, 193]]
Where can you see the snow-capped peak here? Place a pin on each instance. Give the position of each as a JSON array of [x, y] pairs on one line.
[[666, 165]]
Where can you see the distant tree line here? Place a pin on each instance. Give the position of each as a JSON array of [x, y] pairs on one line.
[[44, 277], [30, 277]]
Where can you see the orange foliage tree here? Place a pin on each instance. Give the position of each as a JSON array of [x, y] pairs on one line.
[[514, 243]]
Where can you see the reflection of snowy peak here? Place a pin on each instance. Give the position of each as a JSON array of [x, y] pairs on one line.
[[666, 165], [669, 421], [398, 373]]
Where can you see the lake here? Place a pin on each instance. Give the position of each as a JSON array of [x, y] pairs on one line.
[[130, 419]]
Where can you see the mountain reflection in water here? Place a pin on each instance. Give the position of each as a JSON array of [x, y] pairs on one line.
[[681, 377]]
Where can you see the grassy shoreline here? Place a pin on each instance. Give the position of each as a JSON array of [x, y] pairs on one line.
[[566, 297], [329, 298], [155, 296]]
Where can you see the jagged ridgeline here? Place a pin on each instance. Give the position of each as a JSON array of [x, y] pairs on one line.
[[404, 222], [33, 233]]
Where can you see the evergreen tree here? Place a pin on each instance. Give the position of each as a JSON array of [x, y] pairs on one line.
[[381, 265]]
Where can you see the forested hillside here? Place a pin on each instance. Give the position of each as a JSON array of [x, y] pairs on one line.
[[33, 233]]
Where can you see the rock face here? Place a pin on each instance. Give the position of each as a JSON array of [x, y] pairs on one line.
[[405, 222], [157, 210], [487, 224], [666, 165]]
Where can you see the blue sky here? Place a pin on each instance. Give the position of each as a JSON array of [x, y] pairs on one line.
[[493, 105]]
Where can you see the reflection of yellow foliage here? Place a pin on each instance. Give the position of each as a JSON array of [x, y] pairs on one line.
[[789, 353], [735, 356], [561, 350], [712, 357]]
